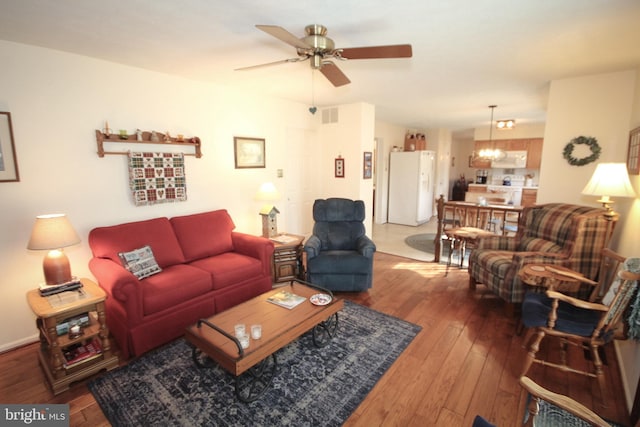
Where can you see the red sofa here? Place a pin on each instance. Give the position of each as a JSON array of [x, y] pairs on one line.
[[206, 268]]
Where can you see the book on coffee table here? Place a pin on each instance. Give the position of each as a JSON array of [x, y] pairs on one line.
[[286, 299]]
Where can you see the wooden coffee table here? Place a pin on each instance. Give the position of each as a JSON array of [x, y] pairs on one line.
[[254, 367]]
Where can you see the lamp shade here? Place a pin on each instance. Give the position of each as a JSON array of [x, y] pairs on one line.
[[268, 192], [610, 179], [52, 231]]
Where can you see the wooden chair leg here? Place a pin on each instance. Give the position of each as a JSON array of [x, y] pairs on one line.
[[527, 337], [533, 350], [472, 284], [597, 365]]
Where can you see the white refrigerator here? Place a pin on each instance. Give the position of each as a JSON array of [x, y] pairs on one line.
[[411, 187]]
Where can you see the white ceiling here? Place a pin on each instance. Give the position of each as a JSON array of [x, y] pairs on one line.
[[467, 54]]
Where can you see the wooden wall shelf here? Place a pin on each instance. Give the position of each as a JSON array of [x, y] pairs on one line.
[[101, 138]]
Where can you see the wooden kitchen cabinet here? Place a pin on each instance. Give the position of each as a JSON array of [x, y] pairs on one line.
[[475, 188], [480, 163], [529, 196], [534, 153], [533, 147]]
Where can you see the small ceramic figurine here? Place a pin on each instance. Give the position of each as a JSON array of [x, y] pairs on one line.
[[167, 137], [154, 136], [138, 135]]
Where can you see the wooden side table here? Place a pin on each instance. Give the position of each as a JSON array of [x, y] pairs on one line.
[[57, 309], [287, 258], [463, 237], [553, 277]]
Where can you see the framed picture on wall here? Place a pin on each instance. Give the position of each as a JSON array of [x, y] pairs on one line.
[[339, 167], [248, 152], [367, 165], [633, 154], [8, 158]]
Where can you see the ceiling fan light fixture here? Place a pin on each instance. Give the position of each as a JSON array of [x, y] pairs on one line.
[[318, 48]]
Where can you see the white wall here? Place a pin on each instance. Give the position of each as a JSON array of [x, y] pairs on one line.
[[440, 141], [629, 244], [57, 100], [390, 135], [600, 106], [349, 137]]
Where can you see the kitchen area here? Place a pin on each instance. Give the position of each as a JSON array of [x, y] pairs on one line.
[[510, 178]]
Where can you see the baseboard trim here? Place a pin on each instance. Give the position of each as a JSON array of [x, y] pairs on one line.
[[19, 343]]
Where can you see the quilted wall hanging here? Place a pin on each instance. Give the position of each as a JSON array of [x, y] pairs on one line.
[[157, 178]]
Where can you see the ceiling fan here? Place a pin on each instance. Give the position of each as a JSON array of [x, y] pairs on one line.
[[319, 49]]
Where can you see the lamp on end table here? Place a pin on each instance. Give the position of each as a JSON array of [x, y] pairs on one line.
[[609, 179], [52, 233], [268, 193]]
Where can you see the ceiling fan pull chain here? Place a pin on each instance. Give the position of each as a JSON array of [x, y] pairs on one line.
[[313, 107]]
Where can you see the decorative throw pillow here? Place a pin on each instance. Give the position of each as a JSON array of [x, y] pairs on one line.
[[140, 262]]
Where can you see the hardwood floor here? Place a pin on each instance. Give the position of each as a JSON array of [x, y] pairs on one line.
[[465, 361]]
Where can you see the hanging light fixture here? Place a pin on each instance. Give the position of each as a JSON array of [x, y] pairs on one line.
[[505, 124], [490, 153]]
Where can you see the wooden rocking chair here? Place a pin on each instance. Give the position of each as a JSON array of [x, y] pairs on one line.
[[590, 324]]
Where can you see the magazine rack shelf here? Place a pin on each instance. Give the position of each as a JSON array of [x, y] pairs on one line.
[[65, 358], [192, 144]]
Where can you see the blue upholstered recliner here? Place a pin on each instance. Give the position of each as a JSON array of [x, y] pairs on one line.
[[339, 254]]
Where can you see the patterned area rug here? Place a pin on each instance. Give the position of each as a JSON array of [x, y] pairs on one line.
[[313, 386], [552, 416]]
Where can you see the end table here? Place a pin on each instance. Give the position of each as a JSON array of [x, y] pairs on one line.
[[56, 310], [553, 277], [287, 258]]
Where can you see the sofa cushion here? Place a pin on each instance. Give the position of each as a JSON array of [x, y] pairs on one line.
[[173, 286], [108, 242], [140, 262], [229, 268], [203, 235]]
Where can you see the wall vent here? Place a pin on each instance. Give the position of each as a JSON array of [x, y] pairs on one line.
[[330, 115]]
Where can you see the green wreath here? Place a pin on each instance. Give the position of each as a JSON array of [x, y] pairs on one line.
[[589, 141]]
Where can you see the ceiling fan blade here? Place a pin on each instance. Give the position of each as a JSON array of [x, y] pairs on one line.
[[268, 64], [334, 74], [284, 35], [373, 52]]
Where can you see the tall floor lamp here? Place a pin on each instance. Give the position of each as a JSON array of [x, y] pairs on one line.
[[609, 179]]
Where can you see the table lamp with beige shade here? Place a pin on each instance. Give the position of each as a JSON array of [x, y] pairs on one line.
[[609, 180], [268, 194], [53, 232]]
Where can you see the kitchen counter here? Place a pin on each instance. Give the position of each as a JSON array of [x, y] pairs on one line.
[[482, 186]]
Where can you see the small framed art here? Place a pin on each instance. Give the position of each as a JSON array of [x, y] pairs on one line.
[[8, 158], [367, 165], [249, 152], [633, 154], [339, 167]]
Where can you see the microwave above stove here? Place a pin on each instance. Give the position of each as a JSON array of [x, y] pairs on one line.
[[511, 160]]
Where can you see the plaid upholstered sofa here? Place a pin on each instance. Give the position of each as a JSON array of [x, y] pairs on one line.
[[561, 234]]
